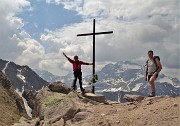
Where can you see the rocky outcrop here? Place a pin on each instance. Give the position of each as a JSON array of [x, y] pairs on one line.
[[57, 103], [132, 98], [59, 87], [95, 97], [54, 106], [11, 105], [76, 109]]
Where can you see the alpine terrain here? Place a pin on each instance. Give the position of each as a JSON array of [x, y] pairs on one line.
[[22, 77], [123, 77], [28, 100]]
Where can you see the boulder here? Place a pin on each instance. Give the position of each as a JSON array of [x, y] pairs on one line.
[[25, 122], [95, 97], [81, 116], [132, 98], [59, 87], [53, 106]]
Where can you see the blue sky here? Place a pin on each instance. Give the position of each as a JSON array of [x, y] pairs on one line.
[[50, 16], [36, 32]]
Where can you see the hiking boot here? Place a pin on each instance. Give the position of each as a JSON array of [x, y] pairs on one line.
[[83, 90], [153, 94], [74, 88]]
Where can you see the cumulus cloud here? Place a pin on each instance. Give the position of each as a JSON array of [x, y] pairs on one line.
[[137, 26], [32, 52], [160, 15], [10, 26]]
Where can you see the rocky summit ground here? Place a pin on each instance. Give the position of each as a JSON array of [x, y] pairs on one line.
[[58, 105], [155, 111]]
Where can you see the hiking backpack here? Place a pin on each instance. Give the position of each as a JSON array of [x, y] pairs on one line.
[[154, 58]]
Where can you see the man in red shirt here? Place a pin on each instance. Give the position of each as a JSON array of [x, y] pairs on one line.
[[77, 70]]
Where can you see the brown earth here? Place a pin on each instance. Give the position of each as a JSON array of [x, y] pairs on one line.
[[75, 109], [11, 105], [157, 111]]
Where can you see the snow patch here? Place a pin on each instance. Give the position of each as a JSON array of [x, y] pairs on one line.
[[137, 87], [165, 79], [20, 76], [119, 89], [109, 90], [28, 109], [130, 66], [119, 71], [4, 69]]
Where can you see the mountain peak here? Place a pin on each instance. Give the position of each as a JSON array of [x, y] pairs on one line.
[[22, 76], [127, 65]]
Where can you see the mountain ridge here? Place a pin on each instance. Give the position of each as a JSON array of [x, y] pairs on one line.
[[52, 107], [22, 77], [125, 76]]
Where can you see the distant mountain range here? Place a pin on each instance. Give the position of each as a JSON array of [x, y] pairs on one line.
[[114, 80], [123, 77], [49, 77]]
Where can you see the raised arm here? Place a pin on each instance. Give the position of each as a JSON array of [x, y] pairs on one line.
[[69, 59], [65, 55]]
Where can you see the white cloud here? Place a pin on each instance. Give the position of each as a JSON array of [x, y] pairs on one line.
[[32, 52], [9, 26], [137, 26], [127, 10]]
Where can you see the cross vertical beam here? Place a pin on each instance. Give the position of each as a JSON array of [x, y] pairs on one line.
[[94, 34], [93, 48]]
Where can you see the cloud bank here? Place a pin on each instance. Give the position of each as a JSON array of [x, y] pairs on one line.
[[137, 26]]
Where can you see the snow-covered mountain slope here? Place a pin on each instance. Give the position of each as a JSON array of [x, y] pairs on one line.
[[22, 77], [53, 78], [128, 77], [47, 75]]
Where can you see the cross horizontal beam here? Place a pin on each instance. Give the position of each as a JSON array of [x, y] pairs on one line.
[[97, 33]]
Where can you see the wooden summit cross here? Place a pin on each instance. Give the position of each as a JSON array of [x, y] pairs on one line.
[[94, 33]]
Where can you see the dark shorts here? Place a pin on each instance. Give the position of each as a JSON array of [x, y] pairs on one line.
[[149, 76], [78, 74]]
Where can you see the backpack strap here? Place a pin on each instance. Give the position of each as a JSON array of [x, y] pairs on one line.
[[147, 67], [147, 62], [156, 57]]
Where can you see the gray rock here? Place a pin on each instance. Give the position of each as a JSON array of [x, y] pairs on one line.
[[59, 87], [132, 98], [81, 116], [95, 97]]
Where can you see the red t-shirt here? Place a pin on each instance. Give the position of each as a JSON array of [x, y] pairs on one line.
[[77, 64]]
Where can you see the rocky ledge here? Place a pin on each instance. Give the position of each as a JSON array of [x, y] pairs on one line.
[[58, 105]]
